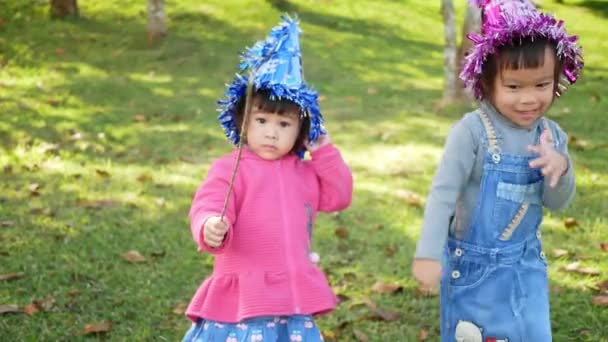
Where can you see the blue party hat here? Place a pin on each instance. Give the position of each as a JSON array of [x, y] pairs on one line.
[[275, 65]]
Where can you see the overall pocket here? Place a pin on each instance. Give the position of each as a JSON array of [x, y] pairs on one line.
[[516, 205]]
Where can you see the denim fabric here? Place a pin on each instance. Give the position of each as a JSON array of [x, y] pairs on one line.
[[495, 286]]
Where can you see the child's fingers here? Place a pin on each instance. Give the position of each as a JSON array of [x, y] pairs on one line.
[[554, 179], [535, 148], [539, 162], [547, 170]]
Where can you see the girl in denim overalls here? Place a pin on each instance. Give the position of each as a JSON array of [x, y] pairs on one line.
[[502, 164]]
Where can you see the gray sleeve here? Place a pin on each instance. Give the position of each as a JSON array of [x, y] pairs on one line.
[[561, 196], [452, 176]]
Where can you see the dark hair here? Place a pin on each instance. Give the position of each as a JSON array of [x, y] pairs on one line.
[[263, 100], [520, 54]]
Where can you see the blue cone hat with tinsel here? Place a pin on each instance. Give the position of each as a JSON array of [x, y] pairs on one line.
[[276, 64]]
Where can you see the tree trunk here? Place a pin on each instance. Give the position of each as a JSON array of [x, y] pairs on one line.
[[63, 8], [471, 24], [156, 20], [449, 52]]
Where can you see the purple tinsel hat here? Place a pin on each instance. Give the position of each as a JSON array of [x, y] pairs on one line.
[[505, 21]]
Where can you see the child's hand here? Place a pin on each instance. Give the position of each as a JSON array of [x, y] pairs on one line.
[[322, 140], [215, 231], [552, 163], [427, 272]]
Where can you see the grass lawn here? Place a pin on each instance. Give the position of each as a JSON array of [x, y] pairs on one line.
[[103, 142]]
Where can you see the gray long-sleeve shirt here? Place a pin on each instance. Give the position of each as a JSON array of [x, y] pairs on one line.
[[455, 187]]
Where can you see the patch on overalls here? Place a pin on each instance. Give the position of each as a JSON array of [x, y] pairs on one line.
[[469, 332]]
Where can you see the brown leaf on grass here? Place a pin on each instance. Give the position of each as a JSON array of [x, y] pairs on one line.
[[570, 222], [410, 198], [139, 118], [341, 232], [372, 90], [350, 99], [180, 309], [34, 189], [191, 160], [388, 316], [384, 288], [102, 173], [423, 335], [9, 309], [390, 251], [96, 328], [41, 211], [97, 204], [59, 51], [603, 286], [576, 143], [11, 276], [360, 335], [575, 267], [558, 253], [601, 300], [604, 246], [349, 276], [45, 303], [329, 335], [7, 223], [73, 293], [133, 257], [145, 177], [342, 297], [30, 309]]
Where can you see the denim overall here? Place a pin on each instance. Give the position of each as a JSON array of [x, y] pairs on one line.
[[495, 285]]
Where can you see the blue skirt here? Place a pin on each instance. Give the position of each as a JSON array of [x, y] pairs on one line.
[[299, 328]]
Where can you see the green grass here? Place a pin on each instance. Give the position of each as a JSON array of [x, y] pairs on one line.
[[70, 93]]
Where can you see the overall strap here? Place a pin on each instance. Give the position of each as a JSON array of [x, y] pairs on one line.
[[493, 147]]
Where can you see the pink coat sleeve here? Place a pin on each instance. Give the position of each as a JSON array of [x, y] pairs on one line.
[[335, 178], [209, 201]]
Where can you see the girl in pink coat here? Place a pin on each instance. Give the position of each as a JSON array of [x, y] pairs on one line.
[[264, 285]]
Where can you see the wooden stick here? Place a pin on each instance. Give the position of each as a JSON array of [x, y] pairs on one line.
[[242, 135]]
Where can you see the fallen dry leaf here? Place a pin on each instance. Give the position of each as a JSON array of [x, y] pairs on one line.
[[558, 253], [410, 198], [390, 251], [102, 173], [45, 304], [96, 328], [9, 309], [601, 300], [341, 232], [180, 309], [133, 256], [604, 246], [140, 118], [575, 267], [423, 335], [73, 293], [388, 316], [383, 288], [7, 223], [10, 276], [59, 51], [570, 222], [105, 203], [603, 286], [30, 309], [360, 335], [34, 189], [145, 177]]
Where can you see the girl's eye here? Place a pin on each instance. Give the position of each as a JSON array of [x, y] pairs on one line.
[[260, 120], [285, 124], [512, 86], [543, 85]]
